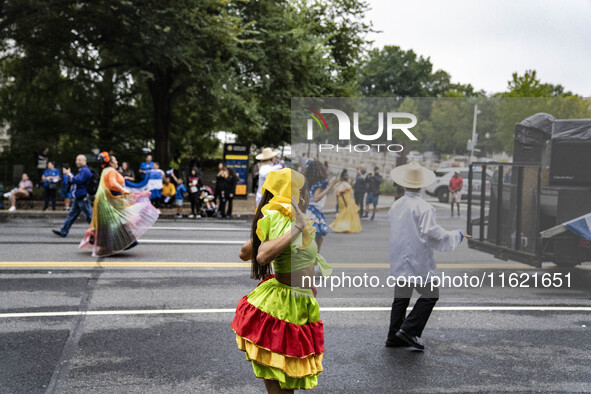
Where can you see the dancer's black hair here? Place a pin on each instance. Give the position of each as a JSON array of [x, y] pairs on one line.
[[259, 271], [315, 172], [343, 174]]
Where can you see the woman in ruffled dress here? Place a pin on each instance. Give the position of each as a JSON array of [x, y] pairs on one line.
[[347, 220], [278, 324], [320, 186], [119, 217]]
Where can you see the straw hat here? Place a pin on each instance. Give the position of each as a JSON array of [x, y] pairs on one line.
[[267, 154], [413, 175]]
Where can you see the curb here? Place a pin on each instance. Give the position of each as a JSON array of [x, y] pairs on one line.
[[6, 216]]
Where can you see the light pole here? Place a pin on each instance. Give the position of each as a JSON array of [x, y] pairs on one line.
[[474, 135]]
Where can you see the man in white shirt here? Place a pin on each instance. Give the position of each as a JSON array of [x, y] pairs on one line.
[[414, 233], [268, 163]]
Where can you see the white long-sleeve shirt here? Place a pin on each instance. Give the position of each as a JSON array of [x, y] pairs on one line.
[[414, 233]]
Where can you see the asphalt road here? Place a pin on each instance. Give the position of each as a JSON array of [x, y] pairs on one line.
[[156, 319]]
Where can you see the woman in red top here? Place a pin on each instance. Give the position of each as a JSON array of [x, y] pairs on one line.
[[119, 217], [455, 191]]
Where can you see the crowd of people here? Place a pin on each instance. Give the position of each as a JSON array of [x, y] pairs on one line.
[[170, 190], [167, 189]]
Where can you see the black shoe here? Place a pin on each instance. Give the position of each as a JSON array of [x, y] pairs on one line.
[[58, 233], [396, 342], [410, 340], [372, 216]]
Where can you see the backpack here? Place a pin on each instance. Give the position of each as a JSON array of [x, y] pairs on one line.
[[93, 183]]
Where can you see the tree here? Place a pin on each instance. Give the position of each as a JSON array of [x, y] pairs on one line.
[[294, 49], [61, 92], [394, 72], [192, 66], [528, 85]]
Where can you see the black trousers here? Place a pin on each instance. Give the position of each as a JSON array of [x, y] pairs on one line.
[[222, 203], [49, 195], [230, 203], [195, 203], [359, 201], [415, 322]]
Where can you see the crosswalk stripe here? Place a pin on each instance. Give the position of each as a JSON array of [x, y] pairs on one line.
[[534, 308]]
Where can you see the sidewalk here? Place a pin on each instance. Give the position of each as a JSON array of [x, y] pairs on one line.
[[242, 209]]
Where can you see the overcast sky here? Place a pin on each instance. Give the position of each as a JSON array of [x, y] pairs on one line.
[[484, 42]]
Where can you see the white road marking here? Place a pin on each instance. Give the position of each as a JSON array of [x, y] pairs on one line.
[[189, 241], [200, 228], [325, 309]]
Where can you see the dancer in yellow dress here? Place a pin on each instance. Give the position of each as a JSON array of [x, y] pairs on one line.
[[347, 221]]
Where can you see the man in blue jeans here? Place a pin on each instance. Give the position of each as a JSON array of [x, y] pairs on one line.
[[81, 201]]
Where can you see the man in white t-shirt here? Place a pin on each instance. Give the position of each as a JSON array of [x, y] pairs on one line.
[[268, 163]]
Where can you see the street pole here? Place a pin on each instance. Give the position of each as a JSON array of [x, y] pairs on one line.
[[474, 133]]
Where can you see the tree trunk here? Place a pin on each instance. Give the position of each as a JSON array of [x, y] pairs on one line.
[[402, 159], [160, 90], [106, 125]]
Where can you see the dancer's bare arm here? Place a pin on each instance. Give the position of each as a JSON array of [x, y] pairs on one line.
[[246, 251], [271, 249], [319, 194]]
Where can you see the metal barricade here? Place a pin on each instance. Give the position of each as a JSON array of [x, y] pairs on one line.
[[506, 221]]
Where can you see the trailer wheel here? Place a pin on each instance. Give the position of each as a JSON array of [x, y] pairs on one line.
[[443, 194]]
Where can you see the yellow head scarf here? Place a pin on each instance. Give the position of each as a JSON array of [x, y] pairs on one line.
[[284, 184]]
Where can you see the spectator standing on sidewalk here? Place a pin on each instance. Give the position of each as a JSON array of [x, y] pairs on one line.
[[23, 191], [373, 191], [455, 191], [194, 184], [221, 188], [360, 188], [232, 181], [414, 234], [147, 166], [50, 178], [66, 187], [255, 177], [179, 197], [81, 199]]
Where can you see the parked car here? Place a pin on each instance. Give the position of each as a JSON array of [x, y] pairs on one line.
[[440, 188]]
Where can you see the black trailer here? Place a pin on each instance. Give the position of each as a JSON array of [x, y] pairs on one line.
[[521, 217]]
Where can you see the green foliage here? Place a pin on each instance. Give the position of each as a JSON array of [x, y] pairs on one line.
[[387, 187], [528, 85], [130, 74], [394, 72]]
